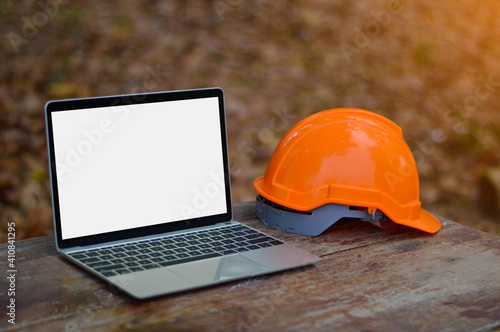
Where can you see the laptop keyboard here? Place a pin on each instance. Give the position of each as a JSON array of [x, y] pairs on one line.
[[161, 252]]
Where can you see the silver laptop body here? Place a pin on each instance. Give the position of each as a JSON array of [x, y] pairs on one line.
[[141, 193]]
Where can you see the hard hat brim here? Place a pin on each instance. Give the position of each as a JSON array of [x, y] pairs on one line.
[[426, 222]]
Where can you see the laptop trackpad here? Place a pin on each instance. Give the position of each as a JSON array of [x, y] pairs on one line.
[[215, 269]]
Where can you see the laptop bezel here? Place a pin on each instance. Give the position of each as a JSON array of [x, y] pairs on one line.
[[131, 99]]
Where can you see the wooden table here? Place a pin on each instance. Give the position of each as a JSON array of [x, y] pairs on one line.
[[369, 279]]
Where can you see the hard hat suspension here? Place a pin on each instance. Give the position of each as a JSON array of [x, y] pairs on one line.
[[315, 221]]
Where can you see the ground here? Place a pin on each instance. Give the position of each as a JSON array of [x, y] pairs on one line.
[[430, 66]]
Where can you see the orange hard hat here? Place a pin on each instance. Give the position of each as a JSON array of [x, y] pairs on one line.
[[348, 157]]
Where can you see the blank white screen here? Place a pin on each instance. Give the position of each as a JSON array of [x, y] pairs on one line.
[[124, 167]]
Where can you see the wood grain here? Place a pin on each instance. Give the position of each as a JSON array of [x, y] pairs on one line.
[[368, 279]]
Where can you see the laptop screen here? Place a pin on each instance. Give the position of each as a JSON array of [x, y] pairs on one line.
[[123, 165]]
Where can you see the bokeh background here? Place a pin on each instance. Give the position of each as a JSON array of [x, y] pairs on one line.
[[430, 66]]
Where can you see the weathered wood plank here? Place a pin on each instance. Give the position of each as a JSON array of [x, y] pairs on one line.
[[368, 279]]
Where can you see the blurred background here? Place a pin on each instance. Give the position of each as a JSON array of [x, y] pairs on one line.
[[430, 66]]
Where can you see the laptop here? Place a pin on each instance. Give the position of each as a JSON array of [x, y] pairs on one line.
[[141, 194]]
